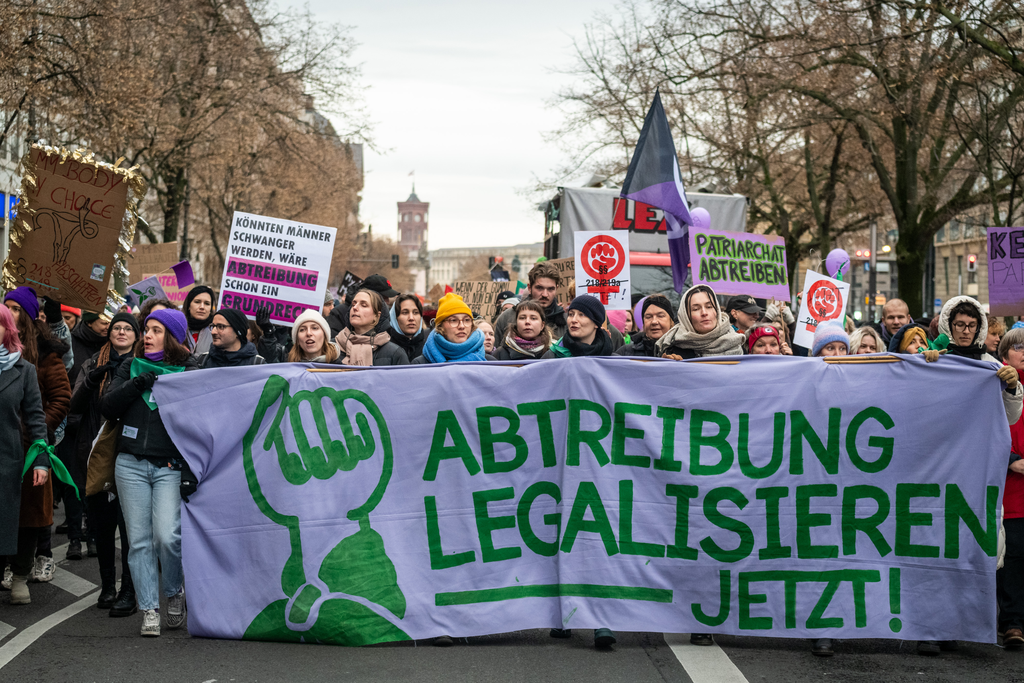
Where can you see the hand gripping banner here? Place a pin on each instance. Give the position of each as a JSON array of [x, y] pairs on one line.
[[763, 496]]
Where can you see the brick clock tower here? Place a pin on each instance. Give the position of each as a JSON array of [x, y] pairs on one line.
[[412, 237]]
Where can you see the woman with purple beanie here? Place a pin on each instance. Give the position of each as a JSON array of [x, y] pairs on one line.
[[148, 469]]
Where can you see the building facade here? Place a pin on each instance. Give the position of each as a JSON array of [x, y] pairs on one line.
[[446, 264]]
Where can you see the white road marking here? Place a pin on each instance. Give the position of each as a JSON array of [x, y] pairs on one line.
[[703, 664], [34, 632], [5, 630], [72, 583]]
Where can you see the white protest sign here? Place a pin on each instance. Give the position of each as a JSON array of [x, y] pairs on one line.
[[602, 268], [276, 263], [824, 300]]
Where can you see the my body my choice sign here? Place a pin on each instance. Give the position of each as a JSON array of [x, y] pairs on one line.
[[395, 503]]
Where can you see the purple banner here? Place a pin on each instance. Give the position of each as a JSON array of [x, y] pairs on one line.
[[740, 263], [1006, 271], [298, 278]]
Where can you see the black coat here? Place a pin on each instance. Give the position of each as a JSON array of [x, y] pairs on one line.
[[21, 414], [639, 346], [85, 407], [413, 346], [123, 401]]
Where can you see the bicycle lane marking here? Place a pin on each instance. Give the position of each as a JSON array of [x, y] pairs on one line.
[[703, 664]]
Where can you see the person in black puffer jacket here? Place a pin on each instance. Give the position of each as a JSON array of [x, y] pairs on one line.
[[658, 316], [367, 339], [151, 476]]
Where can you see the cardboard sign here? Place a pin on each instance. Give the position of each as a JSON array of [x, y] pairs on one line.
[[69, 227], [740, 263], [824, 300], [1006, 271], [147, 259], [602, 268], [479, 296], [276, 263], [436, 292]]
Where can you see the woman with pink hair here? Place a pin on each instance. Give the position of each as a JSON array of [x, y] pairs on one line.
[[22, 429]]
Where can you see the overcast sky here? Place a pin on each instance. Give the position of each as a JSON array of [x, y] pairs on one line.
[[458, 92]]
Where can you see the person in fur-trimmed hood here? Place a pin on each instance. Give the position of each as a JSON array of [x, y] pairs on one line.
[[962, 322]]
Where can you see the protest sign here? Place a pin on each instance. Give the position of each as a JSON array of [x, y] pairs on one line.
[[149, 259], [602, 268], [479, 295], [436, 292], [824, 300], [74, 228], [276, 263], [591, 492], [740, 263], [566, 290], [1006, 271], [349, 283], [173, 284]]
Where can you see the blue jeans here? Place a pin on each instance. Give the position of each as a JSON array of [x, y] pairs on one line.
[[151, 503]]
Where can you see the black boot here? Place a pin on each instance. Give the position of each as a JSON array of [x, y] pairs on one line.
[[107, 597], [125, 605]]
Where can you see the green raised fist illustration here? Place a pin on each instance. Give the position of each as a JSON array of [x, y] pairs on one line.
[[318, 463]]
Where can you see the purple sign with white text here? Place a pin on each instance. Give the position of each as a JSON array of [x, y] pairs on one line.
[[1006, 271]]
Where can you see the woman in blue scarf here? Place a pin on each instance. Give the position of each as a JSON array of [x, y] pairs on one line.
[[455, 338]]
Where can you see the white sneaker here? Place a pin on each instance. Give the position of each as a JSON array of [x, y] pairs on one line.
[[8, 578], [176, 609], [42, 571], [150, 623]]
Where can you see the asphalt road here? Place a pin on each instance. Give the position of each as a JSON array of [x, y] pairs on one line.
[[61, 636]]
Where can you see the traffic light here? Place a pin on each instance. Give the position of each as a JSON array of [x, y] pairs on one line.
[[394, 260], [972, 263]]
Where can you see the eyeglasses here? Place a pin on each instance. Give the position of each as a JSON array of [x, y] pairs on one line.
[[961, 326], [125, 329], [218, 327], [458, 322]]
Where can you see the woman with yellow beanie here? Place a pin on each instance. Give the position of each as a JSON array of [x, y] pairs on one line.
[[454, 338]]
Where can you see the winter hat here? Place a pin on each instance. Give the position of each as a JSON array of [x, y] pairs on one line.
[[77, 312], [310, 315], [26, 298], [662, 303], [1019, 325], [328, 297], [513, 301], [618, 320], [173, 320], [908, 336], [237, 320], [88, 317], [826, 334], [762, 331], [589, 306], [124, 318], [449, 305]]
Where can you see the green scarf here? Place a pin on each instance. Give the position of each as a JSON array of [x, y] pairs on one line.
[[39, 446], [141, 366]]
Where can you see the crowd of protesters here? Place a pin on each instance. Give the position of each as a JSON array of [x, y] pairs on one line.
[[68, 377]]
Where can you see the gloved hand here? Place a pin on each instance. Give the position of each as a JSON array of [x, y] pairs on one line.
[[1008, 375], [772, 312], [97, 375], [263, 320], [145, 381], [189, 482], [51, 309], [932, 355]]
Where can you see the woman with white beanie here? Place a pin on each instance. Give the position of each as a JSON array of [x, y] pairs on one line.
[[311, 340]]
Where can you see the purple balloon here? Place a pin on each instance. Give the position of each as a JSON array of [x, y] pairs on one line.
[[638, 316], [837, 261], [701, 218]]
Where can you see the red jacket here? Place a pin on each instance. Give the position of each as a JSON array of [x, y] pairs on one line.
[[1013, 495]]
